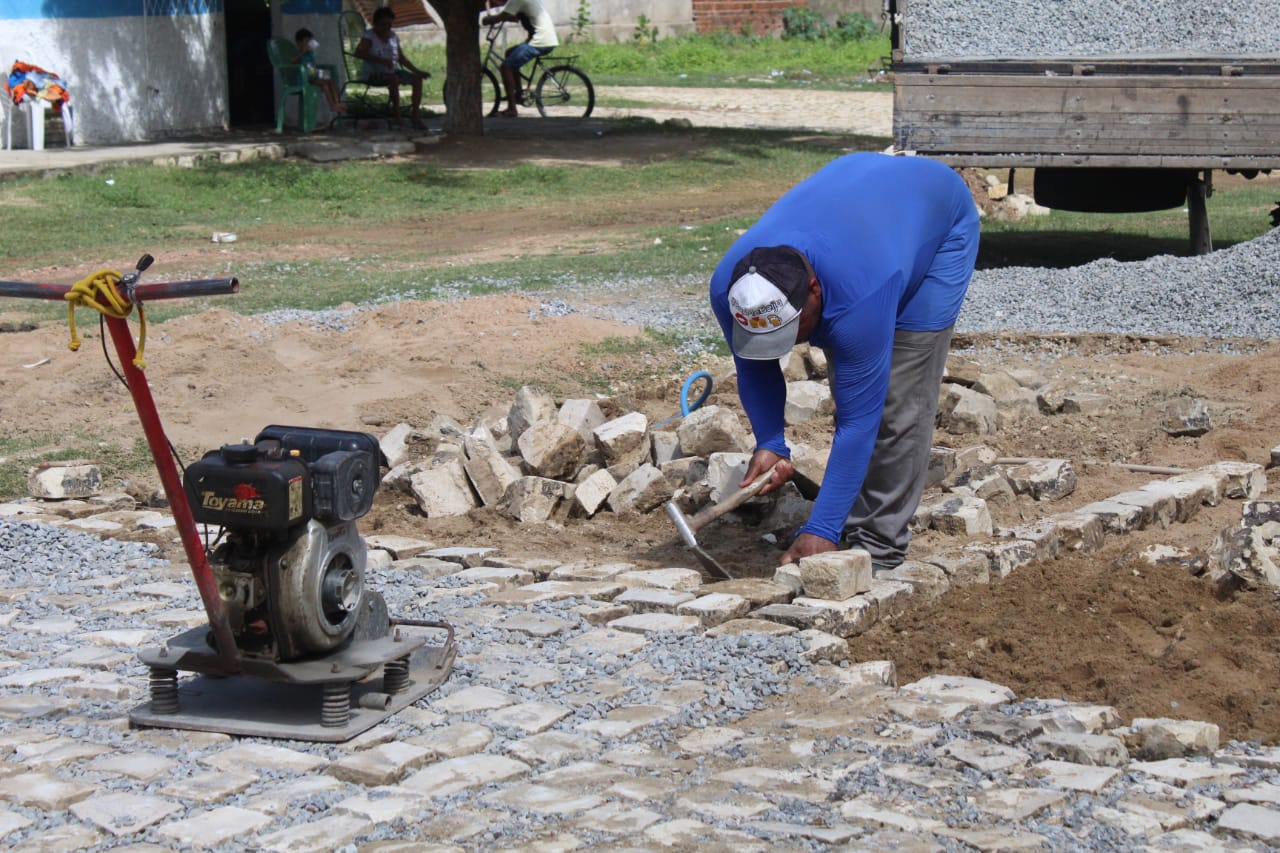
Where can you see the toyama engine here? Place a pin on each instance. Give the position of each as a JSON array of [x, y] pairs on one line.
[[290, 568]]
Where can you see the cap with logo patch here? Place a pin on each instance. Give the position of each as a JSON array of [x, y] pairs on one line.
[[770, 287]]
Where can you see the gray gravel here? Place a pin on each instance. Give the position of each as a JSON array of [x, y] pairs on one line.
[[1010, 29], [1232, 293]]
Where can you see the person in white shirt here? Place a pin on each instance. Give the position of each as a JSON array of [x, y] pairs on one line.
[[536, 20]]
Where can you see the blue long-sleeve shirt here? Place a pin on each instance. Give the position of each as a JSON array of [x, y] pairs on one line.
[[892, 241]]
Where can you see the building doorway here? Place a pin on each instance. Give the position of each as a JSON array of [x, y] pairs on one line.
[[250, 85]]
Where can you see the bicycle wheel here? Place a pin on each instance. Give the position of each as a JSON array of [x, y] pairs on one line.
[[565, 92], [491, 92]]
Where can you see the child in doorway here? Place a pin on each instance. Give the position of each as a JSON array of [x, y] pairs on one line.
[[307, 44]]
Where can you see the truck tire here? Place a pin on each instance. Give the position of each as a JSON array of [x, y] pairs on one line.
[[1112, 190]]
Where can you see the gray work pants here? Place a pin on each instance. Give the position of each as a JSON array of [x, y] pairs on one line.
[[881, 516]]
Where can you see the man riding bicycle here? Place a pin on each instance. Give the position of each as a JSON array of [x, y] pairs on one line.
[[536, 20]]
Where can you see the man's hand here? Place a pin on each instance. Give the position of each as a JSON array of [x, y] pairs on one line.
[[806, 545], [487, 21], [762, 461]]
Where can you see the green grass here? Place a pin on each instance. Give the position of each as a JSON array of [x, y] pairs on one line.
[[118, 464], [718, 59], [273, 203], [1064, 238]]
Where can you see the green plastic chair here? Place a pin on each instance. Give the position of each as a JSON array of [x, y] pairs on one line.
[[293, 81]]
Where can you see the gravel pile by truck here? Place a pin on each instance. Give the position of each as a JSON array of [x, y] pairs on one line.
[[1015, 29]]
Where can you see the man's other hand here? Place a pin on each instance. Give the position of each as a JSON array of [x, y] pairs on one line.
[[762, 461], [806, 545]]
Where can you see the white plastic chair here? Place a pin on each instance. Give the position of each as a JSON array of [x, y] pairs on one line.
[[36, 110]]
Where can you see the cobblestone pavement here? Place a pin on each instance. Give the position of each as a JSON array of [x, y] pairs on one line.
[[599, 707]]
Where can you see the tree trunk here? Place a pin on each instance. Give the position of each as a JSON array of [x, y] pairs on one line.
[[464, 114]]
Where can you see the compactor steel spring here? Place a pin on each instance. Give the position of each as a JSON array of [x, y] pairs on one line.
[[395, 675], [335, 707], [164, 690]]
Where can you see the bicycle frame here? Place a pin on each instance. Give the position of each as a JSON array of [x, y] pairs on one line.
[[555, 86]]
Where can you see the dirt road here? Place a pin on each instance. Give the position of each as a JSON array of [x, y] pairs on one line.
[[865, 113]]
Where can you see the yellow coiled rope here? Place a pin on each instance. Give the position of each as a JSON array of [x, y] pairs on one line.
[[98, 291]]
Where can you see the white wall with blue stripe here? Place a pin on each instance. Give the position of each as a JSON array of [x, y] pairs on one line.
[[141, 70]]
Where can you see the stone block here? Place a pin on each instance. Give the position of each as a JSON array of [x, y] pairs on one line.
[[1079, 531], [1258, 513], [1013, 402], [1253, 821], [821, 646], [653, 599], [816, 360], [789, 576], [808, 400], [123, 813], [890, 597], [622, 440], [583, 416], [715, 608], [647, 624], [552, 449], [1160, 738], [793, 364], [750, 626], [1044, 479], [395, 444], [724, 472], [443, 490], [1158, 508], [963, 411], [384, 764], [60, 480], [684, 471], [1083, 748], [664, 447], [1084, 403], [969, 565], [836, 575], [1116, 517], [531, 406], [1188, 495], [798, 615], [1044, 536], [942, 462], [679, 580], [962, 516], [845, 618], [758, 591], [490, 473], [589, 571], [592, 492], [1186, 416], [711, 429], [1246, 556], [641, 491], [929, 581], [986, 482], [1246, 480], [534, 499]]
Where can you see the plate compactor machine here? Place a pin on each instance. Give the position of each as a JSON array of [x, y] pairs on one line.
[[297, 645]]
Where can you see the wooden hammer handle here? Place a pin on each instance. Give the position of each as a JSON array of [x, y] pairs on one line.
[[730, 503]]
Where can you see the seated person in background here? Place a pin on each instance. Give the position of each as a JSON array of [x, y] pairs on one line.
[[386, 65], [536, 20], [306, 57]]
